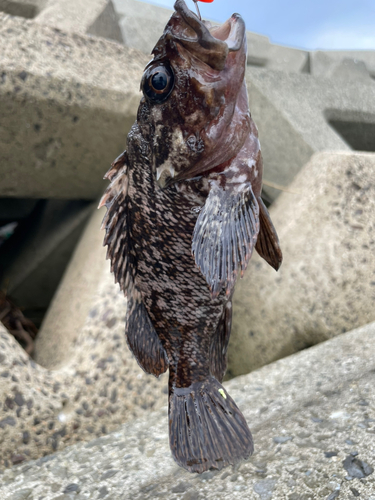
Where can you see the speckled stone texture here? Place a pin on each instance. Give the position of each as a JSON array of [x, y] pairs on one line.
[[313, 419], [326, 284], [67, 102], [92, 383]]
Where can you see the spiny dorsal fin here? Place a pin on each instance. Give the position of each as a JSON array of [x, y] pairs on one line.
[[115, 223]]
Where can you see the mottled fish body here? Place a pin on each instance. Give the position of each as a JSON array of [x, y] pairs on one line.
[[184, 214]]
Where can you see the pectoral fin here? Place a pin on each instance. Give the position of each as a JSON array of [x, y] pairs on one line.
[[267, 245], [225, 234]]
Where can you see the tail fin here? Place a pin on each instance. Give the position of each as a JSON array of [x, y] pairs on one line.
[[206, 429]]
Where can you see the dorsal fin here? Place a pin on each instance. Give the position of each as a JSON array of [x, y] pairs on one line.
[[115, 223]]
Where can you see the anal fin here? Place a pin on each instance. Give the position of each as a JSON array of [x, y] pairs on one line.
[[219, 345], [267, 245], [142, 338]]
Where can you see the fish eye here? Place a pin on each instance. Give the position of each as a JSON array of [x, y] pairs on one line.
[[157, 82]]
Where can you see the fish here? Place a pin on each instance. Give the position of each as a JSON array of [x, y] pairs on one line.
[[184, 214]]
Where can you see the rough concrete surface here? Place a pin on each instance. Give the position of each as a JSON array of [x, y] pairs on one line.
[[262, 53], [324, 65], [96, 17], [326, 284], [323, 61], [73, 300], [313, 440], [298, 115], [96, 385], [135, 16], [67, 103]]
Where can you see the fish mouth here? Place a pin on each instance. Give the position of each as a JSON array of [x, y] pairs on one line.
[[212, 46]]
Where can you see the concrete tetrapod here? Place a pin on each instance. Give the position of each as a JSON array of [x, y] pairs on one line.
[[326, 284], [312, 416], [67, 102], [94, 17], [298, 115], [84, 382]]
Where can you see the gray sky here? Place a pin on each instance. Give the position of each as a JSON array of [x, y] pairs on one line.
[[310, 24]]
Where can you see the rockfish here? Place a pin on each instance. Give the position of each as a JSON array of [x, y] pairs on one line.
[[184, 214]]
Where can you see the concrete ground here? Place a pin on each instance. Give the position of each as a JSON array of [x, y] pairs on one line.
[[313, 420]]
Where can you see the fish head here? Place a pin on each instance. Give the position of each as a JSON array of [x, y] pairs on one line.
[[195, 107]]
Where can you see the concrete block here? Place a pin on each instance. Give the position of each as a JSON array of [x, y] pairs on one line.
[[308, 414], [67, 102], [141, 23], [322, 62], [257, 49], [73, 300], [299, 114], [107, 24], [262, 53], [89, 383], [324, 65], [34, 260], [288, 59], [22, 8], [97, 17], [326, 284], [351, 69]]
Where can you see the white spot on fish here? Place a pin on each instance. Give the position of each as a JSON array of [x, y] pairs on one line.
[[163, 172], [250, 162], [157, 114], [176, 159], [240, 178], [233, 168]]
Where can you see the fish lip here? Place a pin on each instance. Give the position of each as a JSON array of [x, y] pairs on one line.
[[236, 36], [217, 41]]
